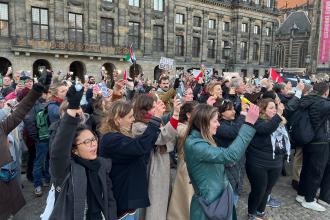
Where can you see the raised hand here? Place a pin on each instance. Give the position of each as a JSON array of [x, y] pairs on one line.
[[159, 109], [74, 97], [252, 115]]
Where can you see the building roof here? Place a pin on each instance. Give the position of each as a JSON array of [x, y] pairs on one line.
[[296, 20], [284, 4]]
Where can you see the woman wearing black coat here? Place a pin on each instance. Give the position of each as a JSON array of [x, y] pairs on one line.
[[130, 156], [264, 156], [226, 134], [81, 176]]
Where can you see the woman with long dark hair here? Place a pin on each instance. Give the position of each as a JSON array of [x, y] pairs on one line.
[[205, 161], [80, 177], [159, 165]]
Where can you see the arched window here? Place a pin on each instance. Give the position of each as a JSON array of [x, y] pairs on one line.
[[39, 65], [4, 64]]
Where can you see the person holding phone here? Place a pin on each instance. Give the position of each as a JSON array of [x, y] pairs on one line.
[[11, 199], [205, 161]]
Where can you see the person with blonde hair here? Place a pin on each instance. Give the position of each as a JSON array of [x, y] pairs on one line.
[[205, 161]]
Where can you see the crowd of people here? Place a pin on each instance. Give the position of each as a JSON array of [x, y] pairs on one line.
[[107, 146]]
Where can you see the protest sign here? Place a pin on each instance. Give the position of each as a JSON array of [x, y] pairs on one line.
[[166, 63]]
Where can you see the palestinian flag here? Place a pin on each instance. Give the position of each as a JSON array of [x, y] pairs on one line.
[[130, 56]]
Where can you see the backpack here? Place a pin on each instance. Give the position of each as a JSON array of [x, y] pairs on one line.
[[301, 131], [43, 124]]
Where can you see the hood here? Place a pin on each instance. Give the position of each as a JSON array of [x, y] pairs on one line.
[[307, 101]]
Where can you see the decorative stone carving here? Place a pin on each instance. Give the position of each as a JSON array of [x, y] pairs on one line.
[[76, 2], [107, 6]]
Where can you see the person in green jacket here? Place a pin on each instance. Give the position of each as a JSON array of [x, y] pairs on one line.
[[205, 161]]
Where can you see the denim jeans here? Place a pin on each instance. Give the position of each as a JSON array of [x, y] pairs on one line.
[[41, 164], [134, 216]]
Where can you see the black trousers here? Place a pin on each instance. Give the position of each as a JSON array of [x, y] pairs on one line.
[[262, 181], [325, 184], [315, 159]]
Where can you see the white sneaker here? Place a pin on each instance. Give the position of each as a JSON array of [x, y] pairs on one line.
[[323, 203], [313, 206], [300, 199]]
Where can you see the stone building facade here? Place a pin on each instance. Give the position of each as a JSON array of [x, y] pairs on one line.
[[82, 35], [292, 40]]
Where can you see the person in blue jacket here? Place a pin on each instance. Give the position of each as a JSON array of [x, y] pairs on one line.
[[205, 161]]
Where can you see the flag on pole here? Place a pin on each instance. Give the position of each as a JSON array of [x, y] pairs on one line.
[[275, 76], [130, 56]]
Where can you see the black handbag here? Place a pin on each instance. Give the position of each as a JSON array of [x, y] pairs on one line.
[[8, 171]]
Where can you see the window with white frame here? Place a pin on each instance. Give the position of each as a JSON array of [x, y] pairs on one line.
[[211, 24], [226, 26], [244, 27], [4, 19], [159, 5], [256, 29], [257, 2], [179, 18], [40, 23], [268, 3], [135, 3], [76, 31], [268, 31]]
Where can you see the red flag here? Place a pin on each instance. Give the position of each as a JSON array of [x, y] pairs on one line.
[[275, 76], [125, 75]]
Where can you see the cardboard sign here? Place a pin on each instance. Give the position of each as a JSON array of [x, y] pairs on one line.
[[166, 63], [229, 75]]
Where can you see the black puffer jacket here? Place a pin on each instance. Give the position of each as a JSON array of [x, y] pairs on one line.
[[319, 112]]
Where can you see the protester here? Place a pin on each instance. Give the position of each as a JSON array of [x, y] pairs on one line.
[[12, 200], [182, 192], [205, 161], [226, 134], [316, 153], [129, 156], [265, 155], [58, 92], [159, 165], [83, 177], [6, 86]]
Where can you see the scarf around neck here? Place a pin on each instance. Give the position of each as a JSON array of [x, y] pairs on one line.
[[278, 136], [94, 187]]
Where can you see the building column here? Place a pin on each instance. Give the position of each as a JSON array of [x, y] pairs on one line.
[[123, 23], [93, 20], [188, 38], [170, 29], [237, 23], [147, 45], [219, 39], [204, 34], [262, 43], [251, 42], [60, 17], [20, 19]]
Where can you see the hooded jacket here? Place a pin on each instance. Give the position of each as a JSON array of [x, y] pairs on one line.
[[319, 112]]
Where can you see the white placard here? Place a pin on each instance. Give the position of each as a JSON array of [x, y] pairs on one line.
[[166, 63]]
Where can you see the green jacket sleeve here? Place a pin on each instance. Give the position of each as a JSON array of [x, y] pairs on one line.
[[211, 154]]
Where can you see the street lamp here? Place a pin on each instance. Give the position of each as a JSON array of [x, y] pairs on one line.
[[227, 50]]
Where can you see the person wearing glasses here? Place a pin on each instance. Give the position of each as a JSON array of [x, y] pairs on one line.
[[82, 176]]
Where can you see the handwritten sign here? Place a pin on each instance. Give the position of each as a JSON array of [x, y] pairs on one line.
[[166, 63]]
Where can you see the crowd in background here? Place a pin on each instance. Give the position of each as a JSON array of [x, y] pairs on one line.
[[107, 146]]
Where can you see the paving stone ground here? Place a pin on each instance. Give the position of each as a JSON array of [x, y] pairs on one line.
[[290, 209]]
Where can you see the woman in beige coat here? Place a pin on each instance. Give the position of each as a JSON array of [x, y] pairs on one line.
[[182, 189], [159, 160]]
